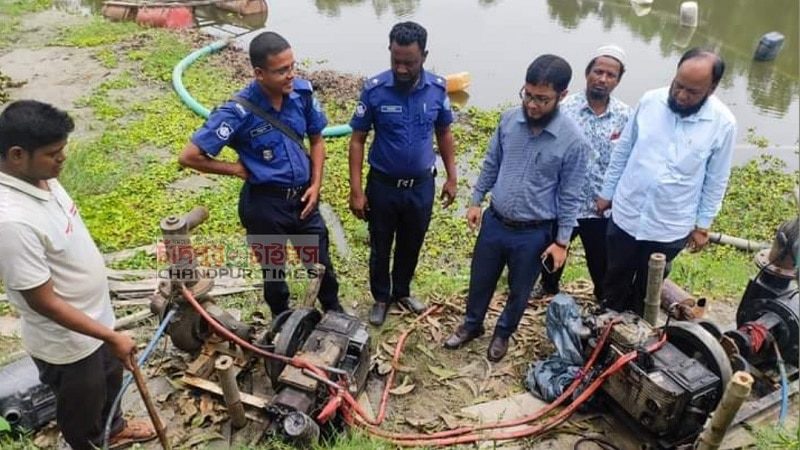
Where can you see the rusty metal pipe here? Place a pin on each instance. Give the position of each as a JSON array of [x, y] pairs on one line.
[[676, 301], [655, 278], [230, 391], [148, 404]]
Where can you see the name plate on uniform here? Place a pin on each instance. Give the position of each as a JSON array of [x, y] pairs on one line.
[[391, 109], [260, 130]]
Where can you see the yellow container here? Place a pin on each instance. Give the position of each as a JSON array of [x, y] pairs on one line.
[[457, 82]]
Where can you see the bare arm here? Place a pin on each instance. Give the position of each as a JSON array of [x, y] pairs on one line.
[[311, 196], [193, 157], [46, 302], [446, 143], [358, 201]]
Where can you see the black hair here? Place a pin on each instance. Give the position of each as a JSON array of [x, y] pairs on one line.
[[717, 70], [31, 125], [594, 60], [549, 69], [266, 44], [407, 33]]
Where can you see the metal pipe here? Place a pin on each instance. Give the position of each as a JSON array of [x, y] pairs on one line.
[[230, 391], [736, 393], [676, 301], [655, 277], [148, 404], [740, 243]]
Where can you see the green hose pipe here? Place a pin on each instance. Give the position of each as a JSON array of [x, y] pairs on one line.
[[200, 110]]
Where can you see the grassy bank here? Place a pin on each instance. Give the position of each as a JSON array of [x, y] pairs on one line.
[[124, 174]]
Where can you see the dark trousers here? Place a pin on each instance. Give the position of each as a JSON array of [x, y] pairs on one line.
[[85, 391], [593, 237], [264, 214], [496, 247], [398, 215], [625, 284]]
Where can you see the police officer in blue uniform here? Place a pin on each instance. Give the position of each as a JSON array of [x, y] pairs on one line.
[[405, 106], [282, 183]]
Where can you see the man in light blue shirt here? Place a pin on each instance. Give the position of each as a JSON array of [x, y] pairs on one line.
[[602, 117], [534, 169], [667, 176]]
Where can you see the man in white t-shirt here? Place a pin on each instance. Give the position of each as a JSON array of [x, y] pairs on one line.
[[55, 277]]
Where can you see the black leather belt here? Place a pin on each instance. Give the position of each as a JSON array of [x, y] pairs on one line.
[[400, 183], [518, 224], [269, 190]]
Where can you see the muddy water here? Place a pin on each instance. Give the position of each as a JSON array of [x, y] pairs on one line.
[[495, 40]]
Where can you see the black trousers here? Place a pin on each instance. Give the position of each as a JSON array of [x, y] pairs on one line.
[[85, 391], [398, 215], [593, 237], [261, 214], [625, 284]]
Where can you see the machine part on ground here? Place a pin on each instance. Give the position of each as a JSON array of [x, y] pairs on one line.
[[141, 385], [289, 331], [226, 373], [188, 330], [655, 278], [300, 429], [678, 303], [333, 339], [770, 307], [736, 393], [25, 402], [670, 392]]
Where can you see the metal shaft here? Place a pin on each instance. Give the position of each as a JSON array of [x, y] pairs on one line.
[[736, 393], [230, 391], [655, 277], [148, 403]]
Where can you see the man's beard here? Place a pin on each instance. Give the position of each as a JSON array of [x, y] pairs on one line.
[[685, 111], [405, 85], [594, 95], [541, 122]]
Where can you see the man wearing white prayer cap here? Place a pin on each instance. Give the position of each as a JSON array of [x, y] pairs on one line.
[[602, 118]]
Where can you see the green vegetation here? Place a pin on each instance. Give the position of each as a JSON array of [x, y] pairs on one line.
[[11, 11], [777, 438]]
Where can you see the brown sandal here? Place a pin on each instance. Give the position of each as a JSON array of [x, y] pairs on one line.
[[137, 430]]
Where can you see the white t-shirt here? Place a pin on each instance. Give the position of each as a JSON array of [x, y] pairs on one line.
[[42, 237]]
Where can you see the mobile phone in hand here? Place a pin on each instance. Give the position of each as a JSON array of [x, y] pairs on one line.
[[548, 264]]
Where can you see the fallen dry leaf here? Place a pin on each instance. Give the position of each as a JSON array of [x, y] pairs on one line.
[[384, 367], [442, 373], [425, 350], [402, 390], [450, 421]]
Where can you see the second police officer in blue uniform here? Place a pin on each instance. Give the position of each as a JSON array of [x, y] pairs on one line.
[[405, 106], [266, 124]]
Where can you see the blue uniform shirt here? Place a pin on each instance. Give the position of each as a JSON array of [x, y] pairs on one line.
[[403, 122], [269, 155]]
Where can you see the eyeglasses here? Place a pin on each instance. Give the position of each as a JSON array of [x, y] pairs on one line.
[[283, 71], [539, 100]]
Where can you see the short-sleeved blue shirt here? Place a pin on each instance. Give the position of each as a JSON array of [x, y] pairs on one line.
[[403, 122], [269, 155]]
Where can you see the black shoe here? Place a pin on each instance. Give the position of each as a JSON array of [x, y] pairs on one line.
[[539, 292], [497, 349], [413, 304], [377, 314], [461, 336]]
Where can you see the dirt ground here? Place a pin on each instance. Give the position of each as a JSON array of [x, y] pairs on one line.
[[436, 384]]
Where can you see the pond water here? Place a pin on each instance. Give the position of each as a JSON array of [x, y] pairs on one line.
[[495, 40]]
